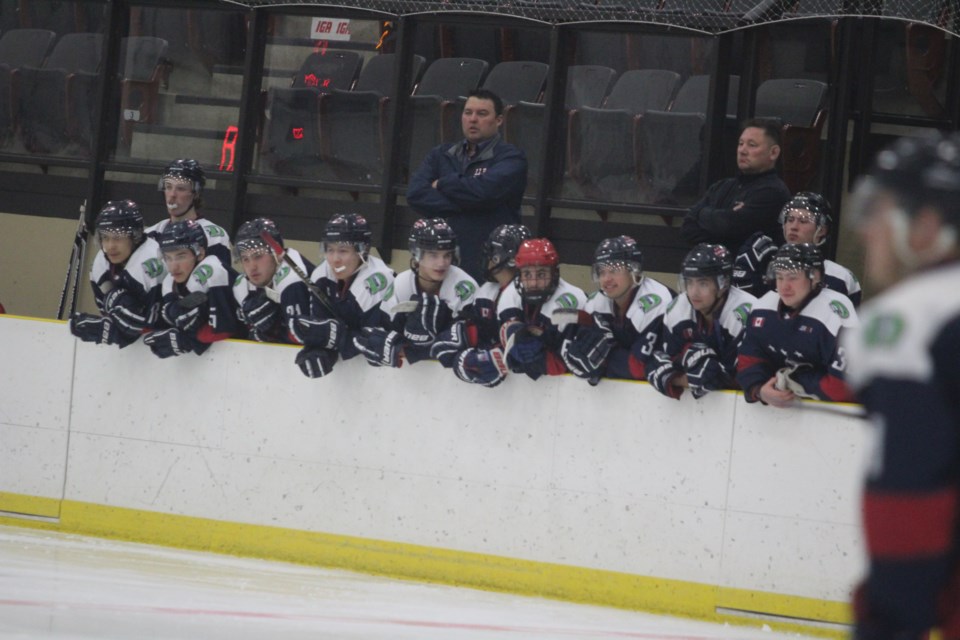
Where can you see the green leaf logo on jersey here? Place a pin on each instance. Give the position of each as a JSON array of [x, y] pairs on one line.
[[203, 273], [389, 292], [672, 304], [840, 309], [214, 231], [376, 283], [282, 272], [649, 301], [464, 289], [593, 295], [567, 301], [743, 312], [883, 331], [153, 267], [239, 279]]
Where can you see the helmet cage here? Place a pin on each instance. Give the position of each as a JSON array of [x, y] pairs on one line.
[[634, 267], [432, 234], [184, 170], [120, 218], [187, 234], [538, 296], [248, 239]]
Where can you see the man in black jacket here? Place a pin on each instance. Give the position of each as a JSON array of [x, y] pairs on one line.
[[735, 208]]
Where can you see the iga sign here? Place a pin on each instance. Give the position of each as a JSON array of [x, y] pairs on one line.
[[330, 29]]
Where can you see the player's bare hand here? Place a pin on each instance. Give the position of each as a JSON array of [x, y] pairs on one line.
[[434, 184], [775, 397], [738, 206]]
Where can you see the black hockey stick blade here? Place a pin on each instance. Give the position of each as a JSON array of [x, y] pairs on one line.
[[192, 300]]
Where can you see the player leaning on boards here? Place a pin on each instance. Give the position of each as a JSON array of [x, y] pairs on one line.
[[125, 276], [354, 283], [702, 327], [197, 308], [905, 368], [423, 301], [182, 184], [471, 347], [530, 335], [626, 313], [805, 218], [791, 346], [268, 293]]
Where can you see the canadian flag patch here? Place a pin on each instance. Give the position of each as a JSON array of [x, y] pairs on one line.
[[758, 322]]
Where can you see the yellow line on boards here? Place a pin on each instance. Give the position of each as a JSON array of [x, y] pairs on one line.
[[428, 564]]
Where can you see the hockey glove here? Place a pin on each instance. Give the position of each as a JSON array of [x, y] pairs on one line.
[[480, 366], [167, 343], [586, 354], [750, 267], [91, 328], [448, 343], [430, 317], [129, 315], [704, 372], [660, 371], [184, 319], [379, 346], [314, 332], [786, 381], [260, 313], [316, 362]]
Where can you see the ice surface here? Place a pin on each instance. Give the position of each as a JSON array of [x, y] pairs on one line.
[[55, 585]]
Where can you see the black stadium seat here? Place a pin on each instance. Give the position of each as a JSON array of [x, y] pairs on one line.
[[57, 99], [18, 48], [603, 142], [799, 106], [443, 82], [143, 64]]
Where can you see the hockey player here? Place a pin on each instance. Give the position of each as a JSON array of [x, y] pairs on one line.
[[790, 348], [627, 313], [905, 367], [702, 327], [439, 290], [805, 218], [267, 293], [126, 276], [354, 284], [532, 339], [471, 347], [197, 308], [182, 185]]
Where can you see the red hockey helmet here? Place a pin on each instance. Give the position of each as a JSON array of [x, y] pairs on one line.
[[537, 252]]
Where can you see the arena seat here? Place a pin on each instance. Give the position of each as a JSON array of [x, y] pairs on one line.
[[443, 82], [587, 86], [18, 48], [57, 99], [142, 67], [602, 144], [799, 106]]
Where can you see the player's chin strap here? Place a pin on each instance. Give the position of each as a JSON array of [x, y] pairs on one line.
[[945, 242]]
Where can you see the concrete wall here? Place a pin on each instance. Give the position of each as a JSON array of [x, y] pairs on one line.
[[760, 505]]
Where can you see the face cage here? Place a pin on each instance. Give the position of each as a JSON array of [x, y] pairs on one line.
[[631, 265], [195, 186], [135, 234], [723, 282], [791, 266], [541, 296], [256, 247], [417, 254], [194, 248]]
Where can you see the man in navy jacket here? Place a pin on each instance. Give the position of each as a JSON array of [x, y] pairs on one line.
[[476, 184]]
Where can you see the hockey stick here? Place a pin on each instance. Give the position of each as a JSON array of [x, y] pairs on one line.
[[75, 266], [280, 255], [855, 412]]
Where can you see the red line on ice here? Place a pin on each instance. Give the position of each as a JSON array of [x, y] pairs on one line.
[[385, 621]]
